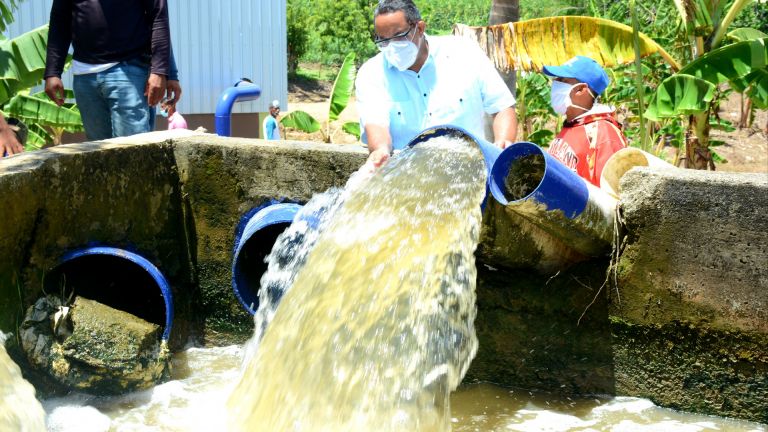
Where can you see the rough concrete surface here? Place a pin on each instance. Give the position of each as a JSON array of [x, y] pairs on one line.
[[696, 249], [685, 326]]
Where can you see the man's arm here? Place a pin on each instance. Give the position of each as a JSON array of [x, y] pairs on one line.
[[172, 85], [59, 39], [379, 144], [161, 50], [9, 145], [505, 127]]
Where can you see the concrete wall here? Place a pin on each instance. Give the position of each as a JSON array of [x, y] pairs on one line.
[[681, 320], [690, 314]]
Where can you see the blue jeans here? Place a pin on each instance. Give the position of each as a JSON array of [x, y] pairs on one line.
[[112, 102]]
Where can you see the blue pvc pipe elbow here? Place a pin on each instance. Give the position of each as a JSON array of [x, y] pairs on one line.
[[490, 152], [256, 221], [154, 273], [559, 187], [241, 93]]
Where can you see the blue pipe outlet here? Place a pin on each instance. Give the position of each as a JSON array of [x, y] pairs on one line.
[[490, 152], [96, 252], [253, 242], [559, 188], [240, 93], [564, 205]]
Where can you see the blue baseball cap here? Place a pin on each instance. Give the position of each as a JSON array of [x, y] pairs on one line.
[[583, 69]]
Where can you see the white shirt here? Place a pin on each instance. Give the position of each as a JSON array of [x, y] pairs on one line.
[[80, 68], [455, 86]]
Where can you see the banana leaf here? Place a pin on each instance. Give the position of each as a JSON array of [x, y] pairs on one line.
[[352, 128], [758, 88], [42, 111], [37, 137], [680, 95], [730, 63], [744, 34], [6, 13], [302, 121], [529, 45], [342, 87], [22, 62]]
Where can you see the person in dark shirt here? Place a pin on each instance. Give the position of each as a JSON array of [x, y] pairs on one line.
[[122, 62]]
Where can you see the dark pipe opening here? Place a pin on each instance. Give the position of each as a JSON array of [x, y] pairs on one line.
[[524, 176], [250, 265], [112, 281]]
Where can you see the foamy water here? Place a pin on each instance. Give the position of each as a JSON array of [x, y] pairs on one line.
[[203, 379], [377, 328]]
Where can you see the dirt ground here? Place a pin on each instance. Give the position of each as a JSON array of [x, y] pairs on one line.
[[746, 150]]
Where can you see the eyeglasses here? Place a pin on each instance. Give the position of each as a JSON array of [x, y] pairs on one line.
[[383, 43]]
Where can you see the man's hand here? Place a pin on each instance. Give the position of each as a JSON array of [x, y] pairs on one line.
[[502, 143], [172, 91], [155, 89], [54, 88], [9, 145], [377, 158]]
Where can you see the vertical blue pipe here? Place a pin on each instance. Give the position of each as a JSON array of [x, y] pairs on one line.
[[240, 93]]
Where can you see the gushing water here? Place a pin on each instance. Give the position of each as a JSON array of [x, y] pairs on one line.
[[377, 328], [19, 410]]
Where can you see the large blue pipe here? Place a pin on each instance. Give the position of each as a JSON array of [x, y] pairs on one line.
[[490, 152], [240, 93], [559, 201], [142, 263], [253, 242]]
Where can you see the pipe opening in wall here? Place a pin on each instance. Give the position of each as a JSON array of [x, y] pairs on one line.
[[116, 278], [261, 227]]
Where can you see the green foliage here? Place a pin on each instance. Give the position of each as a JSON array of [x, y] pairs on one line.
[[754, 16], [680, 95], [297, 35], [534, 112], [6, 12], [441, 15], [22, 63], [337, 27]]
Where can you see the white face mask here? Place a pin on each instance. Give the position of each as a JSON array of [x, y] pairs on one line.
[[560, 97], [401, 54]]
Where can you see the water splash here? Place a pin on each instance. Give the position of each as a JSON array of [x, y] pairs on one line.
[[377, 327], [19, 410]]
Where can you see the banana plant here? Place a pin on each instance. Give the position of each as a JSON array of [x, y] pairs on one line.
[[743, 65], [531, 44], [528, 45], [22, 64], [6, 13], [337, 102]]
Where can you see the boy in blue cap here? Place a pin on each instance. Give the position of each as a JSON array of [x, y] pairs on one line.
[[590, 133]]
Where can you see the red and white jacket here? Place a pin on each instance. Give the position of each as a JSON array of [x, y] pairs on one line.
[[585, 143]]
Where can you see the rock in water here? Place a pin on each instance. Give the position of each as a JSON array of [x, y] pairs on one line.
[[93, 347]]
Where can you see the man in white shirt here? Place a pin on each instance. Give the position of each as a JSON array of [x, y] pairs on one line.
[[416, 82]]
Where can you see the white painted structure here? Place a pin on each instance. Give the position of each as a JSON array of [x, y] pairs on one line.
[[216, 42]]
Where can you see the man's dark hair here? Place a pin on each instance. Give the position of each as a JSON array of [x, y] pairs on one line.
[[412, 14]]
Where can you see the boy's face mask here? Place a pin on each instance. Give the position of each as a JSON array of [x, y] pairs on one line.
[[560, 96]]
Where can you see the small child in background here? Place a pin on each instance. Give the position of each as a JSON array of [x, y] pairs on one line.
[[175, 119]]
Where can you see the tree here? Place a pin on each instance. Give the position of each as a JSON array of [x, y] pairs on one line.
[[298, 36]]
